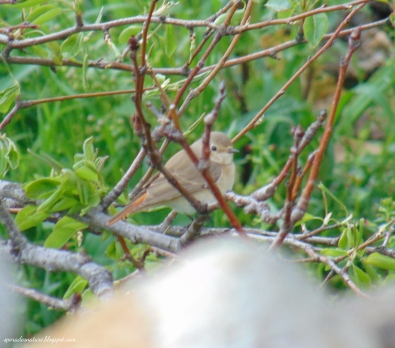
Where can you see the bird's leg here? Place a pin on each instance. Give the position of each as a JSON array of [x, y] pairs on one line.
[[165, 225], [193, 230]]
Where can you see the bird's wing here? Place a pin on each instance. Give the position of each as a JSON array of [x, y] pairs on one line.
[[186, 173]]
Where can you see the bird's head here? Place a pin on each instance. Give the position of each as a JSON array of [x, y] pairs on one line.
[[221, 148]]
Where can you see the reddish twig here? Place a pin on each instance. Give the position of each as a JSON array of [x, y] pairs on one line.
[[128, 256], [252, 123], [302, 204]]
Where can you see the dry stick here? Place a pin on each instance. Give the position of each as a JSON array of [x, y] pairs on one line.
[[63, 34], [324, 259], [328, 277], [145, 35], [301, 207], [318, 230], [365, 246], [70, 305], [4, 39], [297, 135], [29, 103], [128, 256], [23, 252], [136, 234], [377, 236], [311, 252], [207, 34], [299, 178], [293, 19], [252, 123], [271, 52], [100, 64], [19, 26], [194, 229], [8, 118], [200, 64], [289, 202], [121, 185], [268, 191], [194, 93]]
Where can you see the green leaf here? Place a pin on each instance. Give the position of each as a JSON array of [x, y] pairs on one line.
[[325, 190], [64, 229], [3, 160], [371, 271], [28, 217], [170, 41], [71, 46], [12, 155], [55, 52], [69, 182], [38, 11], [278, 5], [87, 171], [50, 202], [85, 64], [125, 34], [380, 261], [315, 28], [43, 14], [75, 209], [237, 16], [9, 156], [358, 232], [78, 285], [111, 251], [334, 252], [88, 193], [64, 203], [7, 97], [48, 16], [307, 217], [28, 3], [343, 241], [87, 298], [359, 277], [89, 150], [40, 52], [42, 188]]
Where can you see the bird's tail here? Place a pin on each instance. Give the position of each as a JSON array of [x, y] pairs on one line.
[[131, 207]]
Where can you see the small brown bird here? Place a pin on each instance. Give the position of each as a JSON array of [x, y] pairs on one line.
[[159, 192]]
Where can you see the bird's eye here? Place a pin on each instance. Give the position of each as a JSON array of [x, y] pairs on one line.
[[213, 148]]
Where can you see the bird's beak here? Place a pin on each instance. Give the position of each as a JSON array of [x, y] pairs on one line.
[[232, 150]]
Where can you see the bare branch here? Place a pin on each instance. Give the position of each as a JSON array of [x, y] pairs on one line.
[[69, 305]]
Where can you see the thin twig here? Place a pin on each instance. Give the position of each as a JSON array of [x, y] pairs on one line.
[[69, 305], [301, 206], [282, 90]]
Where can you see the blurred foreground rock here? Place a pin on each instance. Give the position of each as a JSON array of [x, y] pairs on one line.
[[226, 293]]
